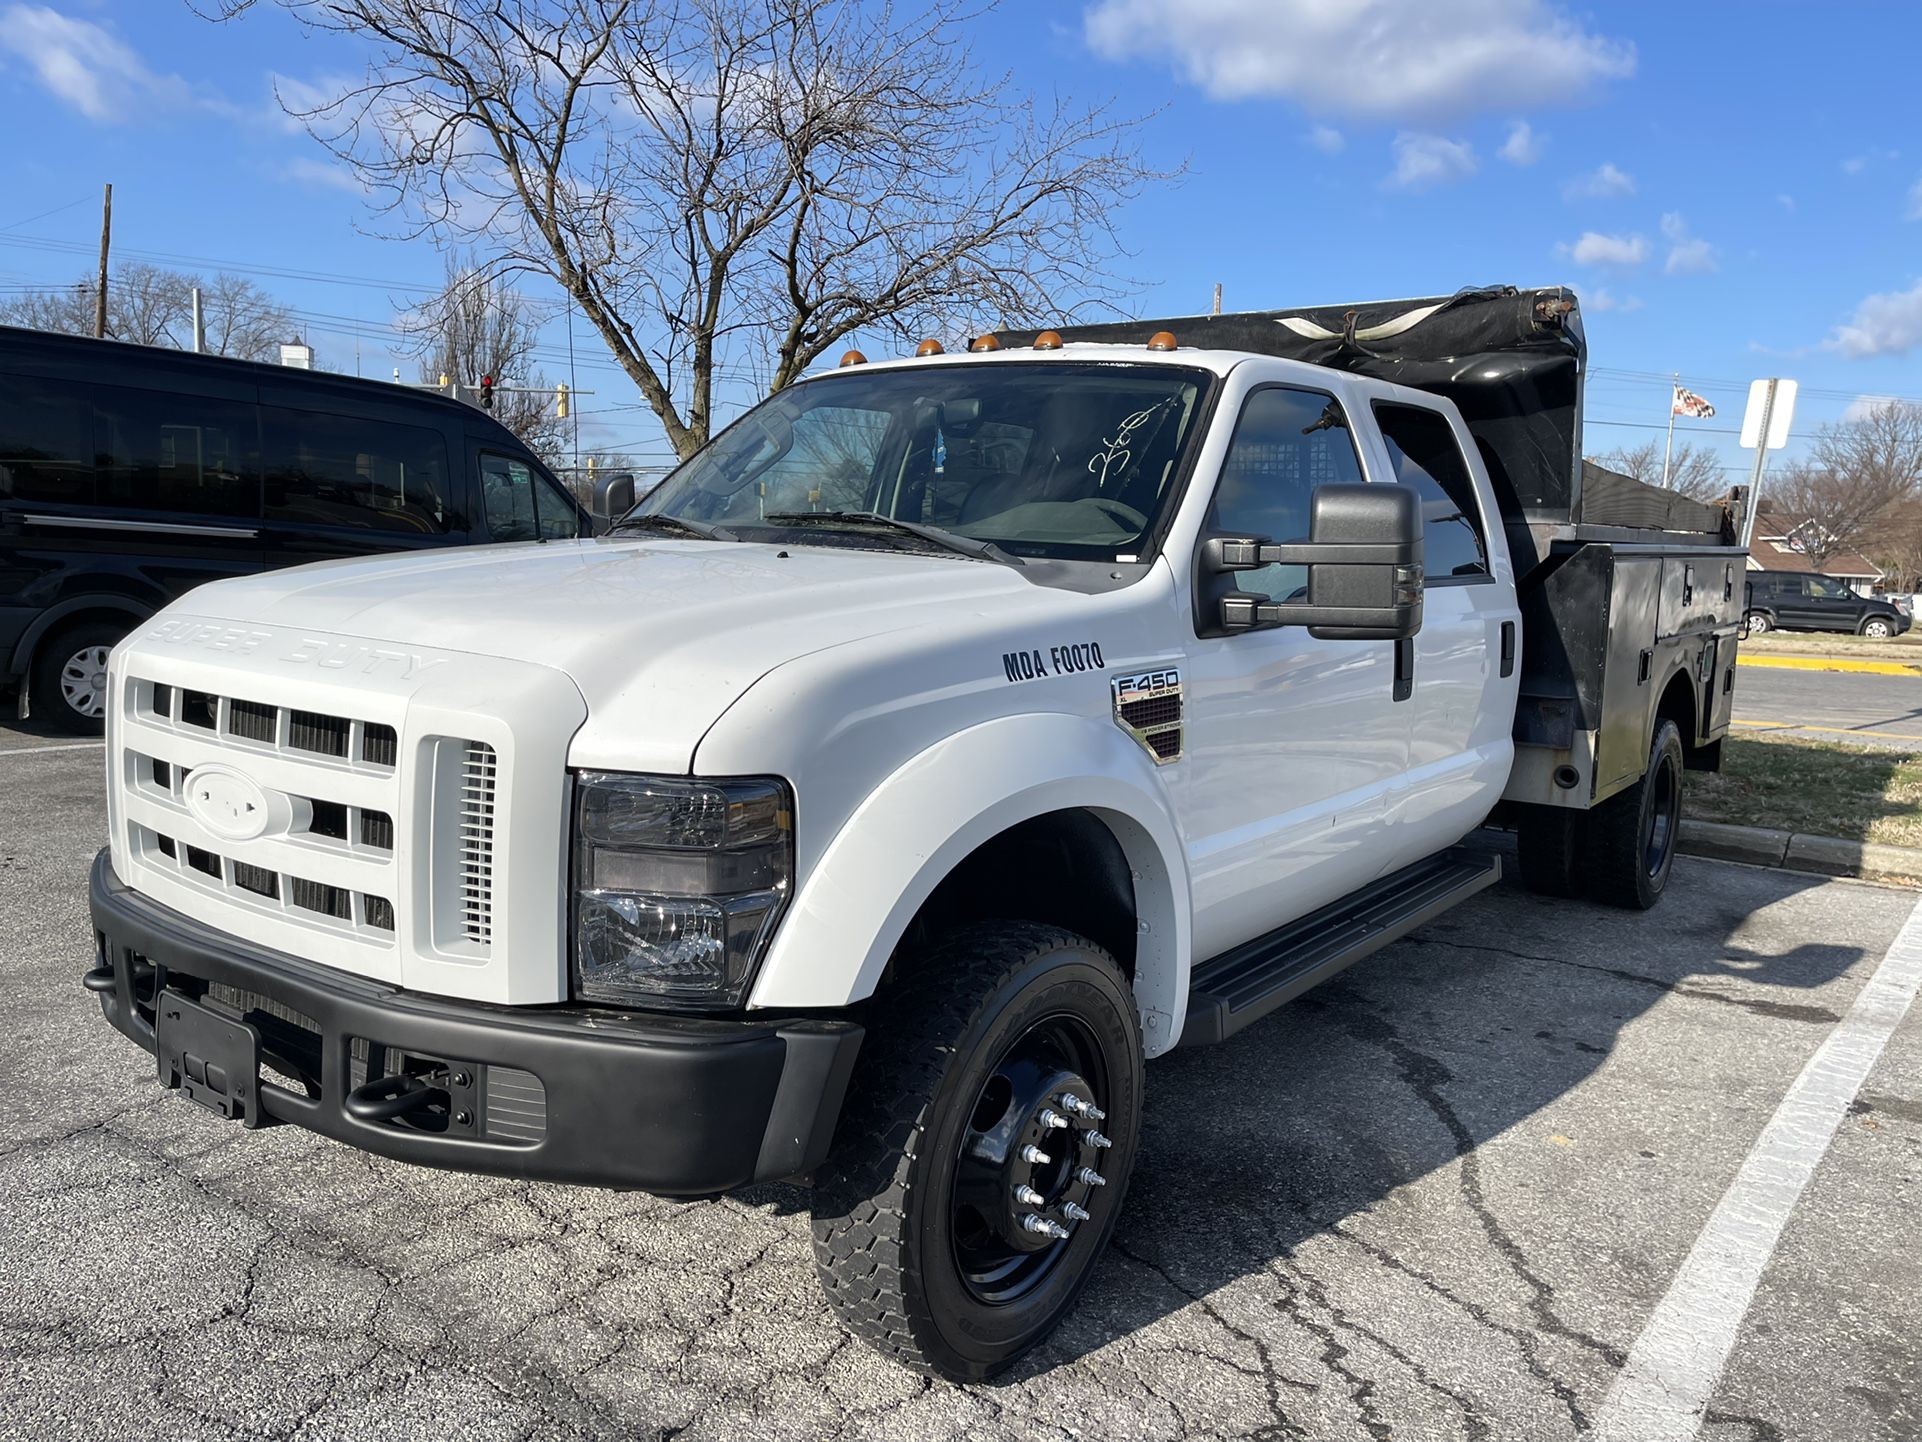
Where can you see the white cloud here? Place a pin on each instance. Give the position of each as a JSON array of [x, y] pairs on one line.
[[1422, 161], [1862, 407], [1786, 201], [1327, 139], [1406, 60], [1856, 164], [1600, 299], [1888, 323], [1687, 254], [319, 172], [1914, 211], [1594, 248], [1609, 180], [88, 66], [1523, 146]]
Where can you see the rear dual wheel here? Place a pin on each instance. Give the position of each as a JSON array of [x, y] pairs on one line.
[[981, 1158]]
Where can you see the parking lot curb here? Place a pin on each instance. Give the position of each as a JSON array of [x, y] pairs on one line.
[[1831, 663], [1830, 855]]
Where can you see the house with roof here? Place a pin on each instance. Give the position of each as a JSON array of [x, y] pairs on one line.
[[1782, 541]]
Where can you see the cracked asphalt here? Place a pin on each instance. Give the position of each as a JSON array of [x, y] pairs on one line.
[[1437, 1198]]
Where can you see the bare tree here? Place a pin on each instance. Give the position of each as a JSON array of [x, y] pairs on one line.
[[1895, 545], [1855, 475], [150, 305], [1694, 471], [477, 326], [729, 189]]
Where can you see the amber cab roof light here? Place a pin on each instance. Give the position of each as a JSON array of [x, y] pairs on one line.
[[928, 347], [990, 341], [1048, 340], [854, 358], [1162, 340]]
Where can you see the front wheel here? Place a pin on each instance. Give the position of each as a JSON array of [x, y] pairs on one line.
[[1758, 624], [1632, 835], [1878, 627], [981, 1159], [69, 681]]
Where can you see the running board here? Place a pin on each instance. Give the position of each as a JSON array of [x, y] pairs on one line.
[[1244, 985]]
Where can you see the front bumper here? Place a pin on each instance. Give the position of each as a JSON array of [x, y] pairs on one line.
[[679, 1106]]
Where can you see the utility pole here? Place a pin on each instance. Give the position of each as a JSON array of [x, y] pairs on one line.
[[1217, 309], [1669, 449], [200, 331], [1761, 460], [573, 381], [100, 293]]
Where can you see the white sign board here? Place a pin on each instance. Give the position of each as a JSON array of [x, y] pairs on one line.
[[1779, 414], [293, 353]]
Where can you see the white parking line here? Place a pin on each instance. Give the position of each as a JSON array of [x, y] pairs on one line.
[[62, 746], [1675, 1364]]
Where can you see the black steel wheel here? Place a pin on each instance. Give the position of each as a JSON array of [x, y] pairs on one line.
[[1631, 836], [984, 1149]]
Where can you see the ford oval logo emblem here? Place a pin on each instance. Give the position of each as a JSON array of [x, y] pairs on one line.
[[227, 803]]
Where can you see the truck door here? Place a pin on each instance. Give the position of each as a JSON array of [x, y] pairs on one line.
[[1462, 697], [1292, 744]]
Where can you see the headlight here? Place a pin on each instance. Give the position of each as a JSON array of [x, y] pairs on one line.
[[677, 885]]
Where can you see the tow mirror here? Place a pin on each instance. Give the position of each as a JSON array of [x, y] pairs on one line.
[[614, 495], [1364, 560]]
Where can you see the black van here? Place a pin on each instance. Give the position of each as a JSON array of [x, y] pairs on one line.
[[130, 474], [1796, 601]]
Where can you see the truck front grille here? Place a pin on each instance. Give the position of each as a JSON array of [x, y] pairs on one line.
[[478, 772]]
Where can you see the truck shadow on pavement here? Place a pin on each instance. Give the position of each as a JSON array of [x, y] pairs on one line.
[[1401, 1069]]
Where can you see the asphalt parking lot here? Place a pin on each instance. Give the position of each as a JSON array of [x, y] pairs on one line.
[[1453, 1194]]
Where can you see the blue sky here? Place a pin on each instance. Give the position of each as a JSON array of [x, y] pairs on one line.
[[1735, 190]]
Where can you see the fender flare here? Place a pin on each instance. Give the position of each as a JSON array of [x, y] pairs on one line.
[[920, 822], [60, 612]]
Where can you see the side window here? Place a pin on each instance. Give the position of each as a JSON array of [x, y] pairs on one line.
[[160, 451], [1827, 588], [1286, 443], [334, 470], [46, 446], [520, 506], [1422, 446]]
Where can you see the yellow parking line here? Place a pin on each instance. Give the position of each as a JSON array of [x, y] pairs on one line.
[[1830, 730], [1831, 663]]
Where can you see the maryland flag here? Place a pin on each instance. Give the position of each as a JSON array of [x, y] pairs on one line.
[[1687, 403]]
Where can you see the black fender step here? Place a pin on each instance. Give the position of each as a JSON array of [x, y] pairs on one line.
[[1243, 985]]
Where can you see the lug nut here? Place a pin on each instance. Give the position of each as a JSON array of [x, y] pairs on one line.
[[1073, 1212], [1095, 1139], [1034, 1156], [1052, 1119], [1089, 1177], [1044, 1227], [1072, 1103], [1029, 1197]]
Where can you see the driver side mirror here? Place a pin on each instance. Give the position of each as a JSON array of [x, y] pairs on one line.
[[1364, 560], [613, 495]]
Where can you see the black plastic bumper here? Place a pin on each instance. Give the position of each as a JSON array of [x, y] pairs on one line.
[[679, 1106]]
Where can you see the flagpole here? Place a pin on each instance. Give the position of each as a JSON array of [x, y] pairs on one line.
[[1669, 449]]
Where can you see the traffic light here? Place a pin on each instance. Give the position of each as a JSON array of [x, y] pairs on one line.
[[560, 400], [487, 393]]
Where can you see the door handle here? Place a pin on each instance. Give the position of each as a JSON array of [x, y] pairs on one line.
[[1508, 648]]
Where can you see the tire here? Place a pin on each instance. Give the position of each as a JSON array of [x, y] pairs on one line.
[[1880, 627], [918, 1246], [1632, 835], [1759, 624], [1549, 844], [66, 667]]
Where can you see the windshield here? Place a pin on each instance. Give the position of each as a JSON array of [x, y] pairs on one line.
[[1060, 460]]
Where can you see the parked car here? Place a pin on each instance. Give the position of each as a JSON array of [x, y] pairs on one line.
[[1794, 601], [131, 474], [946, 739]]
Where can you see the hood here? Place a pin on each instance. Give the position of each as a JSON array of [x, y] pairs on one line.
[[663, 633]]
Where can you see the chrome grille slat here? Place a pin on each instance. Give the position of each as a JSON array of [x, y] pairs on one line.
[[479, 773]]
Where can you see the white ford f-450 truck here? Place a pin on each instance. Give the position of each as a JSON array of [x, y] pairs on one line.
[[948, 738]]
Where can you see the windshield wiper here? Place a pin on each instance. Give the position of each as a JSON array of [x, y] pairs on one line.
[[933, 535], [661, 521]]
